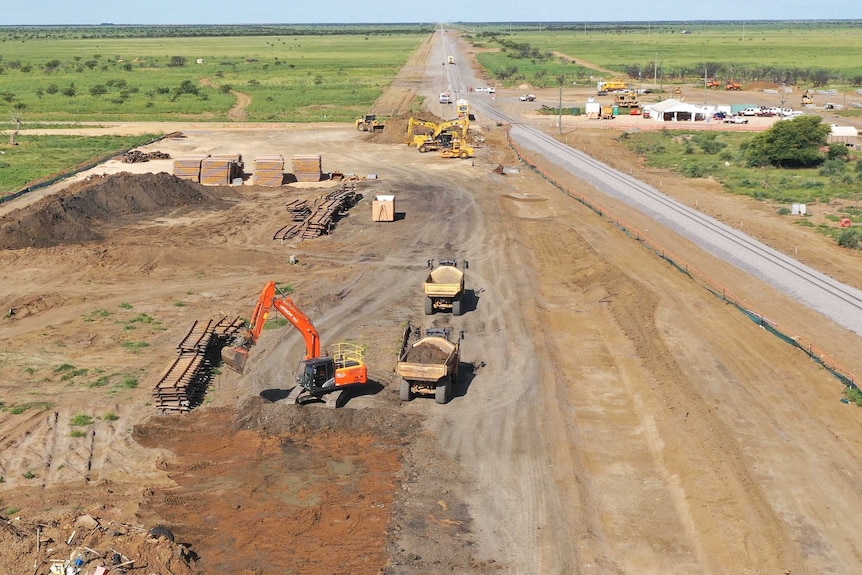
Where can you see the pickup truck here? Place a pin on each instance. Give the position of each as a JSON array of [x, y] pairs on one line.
[[527, 98], [735, 120]]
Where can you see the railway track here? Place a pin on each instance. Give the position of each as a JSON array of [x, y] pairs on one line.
[[839, 302]]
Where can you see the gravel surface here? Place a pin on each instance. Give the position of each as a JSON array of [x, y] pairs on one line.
[[837, 301]]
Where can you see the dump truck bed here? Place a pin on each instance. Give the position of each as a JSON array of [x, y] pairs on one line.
[[429, 359], [444, 281]]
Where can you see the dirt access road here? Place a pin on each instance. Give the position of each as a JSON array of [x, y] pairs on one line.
[[612, 416]]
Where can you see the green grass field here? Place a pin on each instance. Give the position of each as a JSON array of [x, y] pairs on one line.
[[803, 53], [35, 158], [290, 78]]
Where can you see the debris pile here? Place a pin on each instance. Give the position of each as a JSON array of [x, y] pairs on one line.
[[183, 384], [85, 545], [321, 216], [137, 156]]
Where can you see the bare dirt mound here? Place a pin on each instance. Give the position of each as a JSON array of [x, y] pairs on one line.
[[396, 127], [78, 213]]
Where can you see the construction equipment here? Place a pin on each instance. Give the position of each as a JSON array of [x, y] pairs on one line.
[[437, 136], [444, 287], [627, 99], [369, 123], [462, 106], [457, 149], [808, 97], [318, 374], [713, 83], [428, 365], [612, 86], [607, 113], [731, 85]]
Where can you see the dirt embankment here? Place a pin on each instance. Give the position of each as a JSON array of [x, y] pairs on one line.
[[81, 212]]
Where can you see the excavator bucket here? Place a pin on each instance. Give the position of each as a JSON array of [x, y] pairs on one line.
[[234, 358]]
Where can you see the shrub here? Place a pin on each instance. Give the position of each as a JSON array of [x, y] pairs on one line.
[[849, 238], [81, 420]]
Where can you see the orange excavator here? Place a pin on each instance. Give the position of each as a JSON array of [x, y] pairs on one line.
[[318, 374]]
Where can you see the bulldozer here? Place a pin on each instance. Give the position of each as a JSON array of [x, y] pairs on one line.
[[370, 123], [458, 149], [319, 374]]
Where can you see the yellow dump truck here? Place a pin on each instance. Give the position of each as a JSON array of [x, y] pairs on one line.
[[626, 99], [444, 287], [428, 365]]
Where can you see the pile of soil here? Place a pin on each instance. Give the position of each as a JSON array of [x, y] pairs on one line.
[[396, 127], [426, 353], [79, 213]]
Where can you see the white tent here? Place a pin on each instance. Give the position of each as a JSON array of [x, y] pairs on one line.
[[676, 111]]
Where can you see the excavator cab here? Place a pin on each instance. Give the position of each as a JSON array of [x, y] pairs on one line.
[[316, 374]]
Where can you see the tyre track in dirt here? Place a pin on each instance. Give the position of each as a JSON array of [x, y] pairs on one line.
[[239, 111]]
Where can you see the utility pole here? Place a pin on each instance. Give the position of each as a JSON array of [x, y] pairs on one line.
[[560, 124], [655, 71]]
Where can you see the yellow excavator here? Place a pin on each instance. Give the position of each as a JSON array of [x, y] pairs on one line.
[[449, 136]]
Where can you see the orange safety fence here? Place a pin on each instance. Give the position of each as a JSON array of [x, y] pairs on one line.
[[814, 351]]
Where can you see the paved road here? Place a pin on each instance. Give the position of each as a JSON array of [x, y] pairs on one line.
[[837, 301]]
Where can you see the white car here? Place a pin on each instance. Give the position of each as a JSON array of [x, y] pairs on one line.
[[527, 98]]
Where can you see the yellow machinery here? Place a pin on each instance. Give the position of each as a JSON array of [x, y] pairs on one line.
[[436, 136], [458, 149], [369, 123], [462, 106], [626, 99], [612, 86], [808, 97]]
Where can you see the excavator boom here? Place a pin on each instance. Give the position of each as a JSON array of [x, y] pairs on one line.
[[236, 355]]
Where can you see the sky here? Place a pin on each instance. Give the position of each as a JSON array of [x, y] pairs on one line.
[[35, 12]]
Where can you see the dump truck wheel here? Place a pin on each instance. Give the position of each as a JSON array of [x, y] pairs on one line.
[[440, 394], [456, 306], [405, 390], [429, 306]]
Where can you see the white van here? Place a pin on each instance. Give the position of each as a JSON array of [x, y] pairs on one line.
[[445, 98]]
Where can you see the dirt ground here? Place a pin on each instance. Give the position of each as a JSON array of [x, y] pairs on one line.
[[611, 416]]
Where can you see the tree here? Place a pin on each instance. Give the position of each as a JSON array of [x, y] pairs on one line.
[[789, 144], [177, 62]]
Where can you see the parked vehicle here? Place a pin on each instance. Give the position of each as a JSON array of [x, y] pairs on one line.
[[527, 98], [750, 112], [445, 98], [736, 120]]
